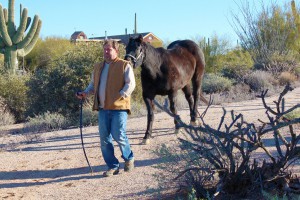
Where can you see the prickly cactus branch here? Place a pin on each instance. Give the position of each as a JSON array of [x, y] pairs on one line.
[[14, 41]]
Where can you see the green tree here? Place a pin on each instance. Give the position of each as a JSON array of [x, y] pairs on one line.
[[265, 33]]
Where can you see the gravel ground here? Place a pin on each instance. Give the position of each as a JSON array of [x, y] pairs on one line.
[[56, 168]]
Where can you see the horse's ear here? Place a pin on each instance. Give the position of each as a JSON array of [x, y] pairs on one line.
[[140, 38]]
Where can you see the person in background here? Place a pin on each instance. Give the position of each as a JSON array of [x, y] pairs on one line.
[[112, 83]]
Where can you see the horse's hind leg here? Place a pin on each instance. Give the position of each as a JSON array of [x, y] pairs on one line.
[[197, 81], [188, 95], [172, 99], [150, 117]]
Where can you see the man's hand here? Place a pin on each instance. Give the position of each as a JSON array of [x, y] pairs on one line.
[[81, 95]]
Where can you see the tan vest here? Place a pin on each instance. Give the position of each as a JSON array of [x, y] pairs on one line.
[[115, 83]]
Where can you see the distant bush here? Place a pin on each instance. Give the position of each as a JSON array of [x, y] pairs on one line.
[[138, 109], [259, 80], [6, 118], [297, 72], [236, 64], [13, 90], [137, 94], [286, 77], [46, 122], [45, 51], [89, 117], [283, 63], [53, 89], [238, 92], [213, 83], [2, 69], [279, 63]]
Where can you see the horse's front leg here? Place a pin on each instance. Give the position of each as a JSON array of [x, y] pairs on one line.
[[150, 118], [172, 99]]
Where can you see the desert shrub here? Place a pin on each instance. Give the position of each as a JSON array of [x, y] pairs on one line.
[[47, 50], [136, 95], [236, 64], [2, 69], [138, 109], [53, 88], [297, 71], [6, 118], [89, 117], [281, 63], [238, 92], [213, 83], [181, 101], [13, 90], [45, 122], [259, 80], [286, 77]]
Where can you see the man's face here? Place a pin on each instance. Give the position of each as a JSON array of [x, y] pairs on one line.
[[109, 53]]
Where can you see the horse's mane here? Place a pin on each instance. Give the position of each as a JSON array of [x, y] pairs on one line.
[[154, 55], [147, 46]]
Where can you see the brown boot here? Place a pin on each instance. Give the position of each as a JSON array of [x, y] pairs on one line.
[[129, 165], [111, 172]]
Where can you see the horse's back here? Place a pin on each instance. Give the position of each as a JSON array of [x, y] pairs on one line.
[[189, 44], [191, 47]]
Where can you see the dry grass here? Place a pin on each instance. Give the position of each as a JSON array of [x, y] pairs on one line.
[[286, 78]]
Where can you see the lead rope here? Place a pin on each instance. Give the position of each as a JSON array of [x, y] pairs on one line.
[[81, 136]]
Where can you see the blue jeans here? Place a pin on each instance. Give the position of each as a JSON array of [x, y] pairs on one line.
[[112, 125]]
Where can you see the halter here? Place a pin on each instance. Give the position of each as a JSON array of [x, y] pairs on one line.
[[134, 58]]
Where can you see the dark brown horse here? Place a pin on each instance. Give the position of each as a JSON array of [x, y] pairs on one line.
[[165, 71]]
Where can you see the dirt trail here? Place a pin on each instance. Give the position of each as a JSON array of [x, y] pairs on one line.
[[56, 168]]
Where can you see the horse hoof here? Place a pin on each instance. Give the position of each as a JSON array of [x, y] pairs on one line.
[[146, 141], [177, 131], [195, 123]]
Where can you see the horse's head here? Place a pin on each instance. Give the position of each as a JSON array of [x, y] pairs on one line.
[[134, 51]]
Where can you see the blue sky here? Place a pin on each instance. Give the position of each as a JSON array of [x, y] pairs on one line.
[[167, 19]]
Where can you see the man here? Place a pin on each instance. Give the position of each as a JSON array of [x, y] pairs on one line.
[[112, 83]]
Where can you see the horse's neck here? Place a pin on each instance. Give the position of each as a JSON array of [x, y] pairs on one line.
[[153, 59]]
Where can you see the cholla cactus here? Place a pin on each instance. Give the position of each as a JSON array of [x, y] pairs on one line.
[[13, 41]]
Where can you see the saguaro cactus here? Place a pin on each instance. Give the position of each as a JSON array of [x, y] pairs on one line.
[[14, 41], [297, 24], [296, 15]]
